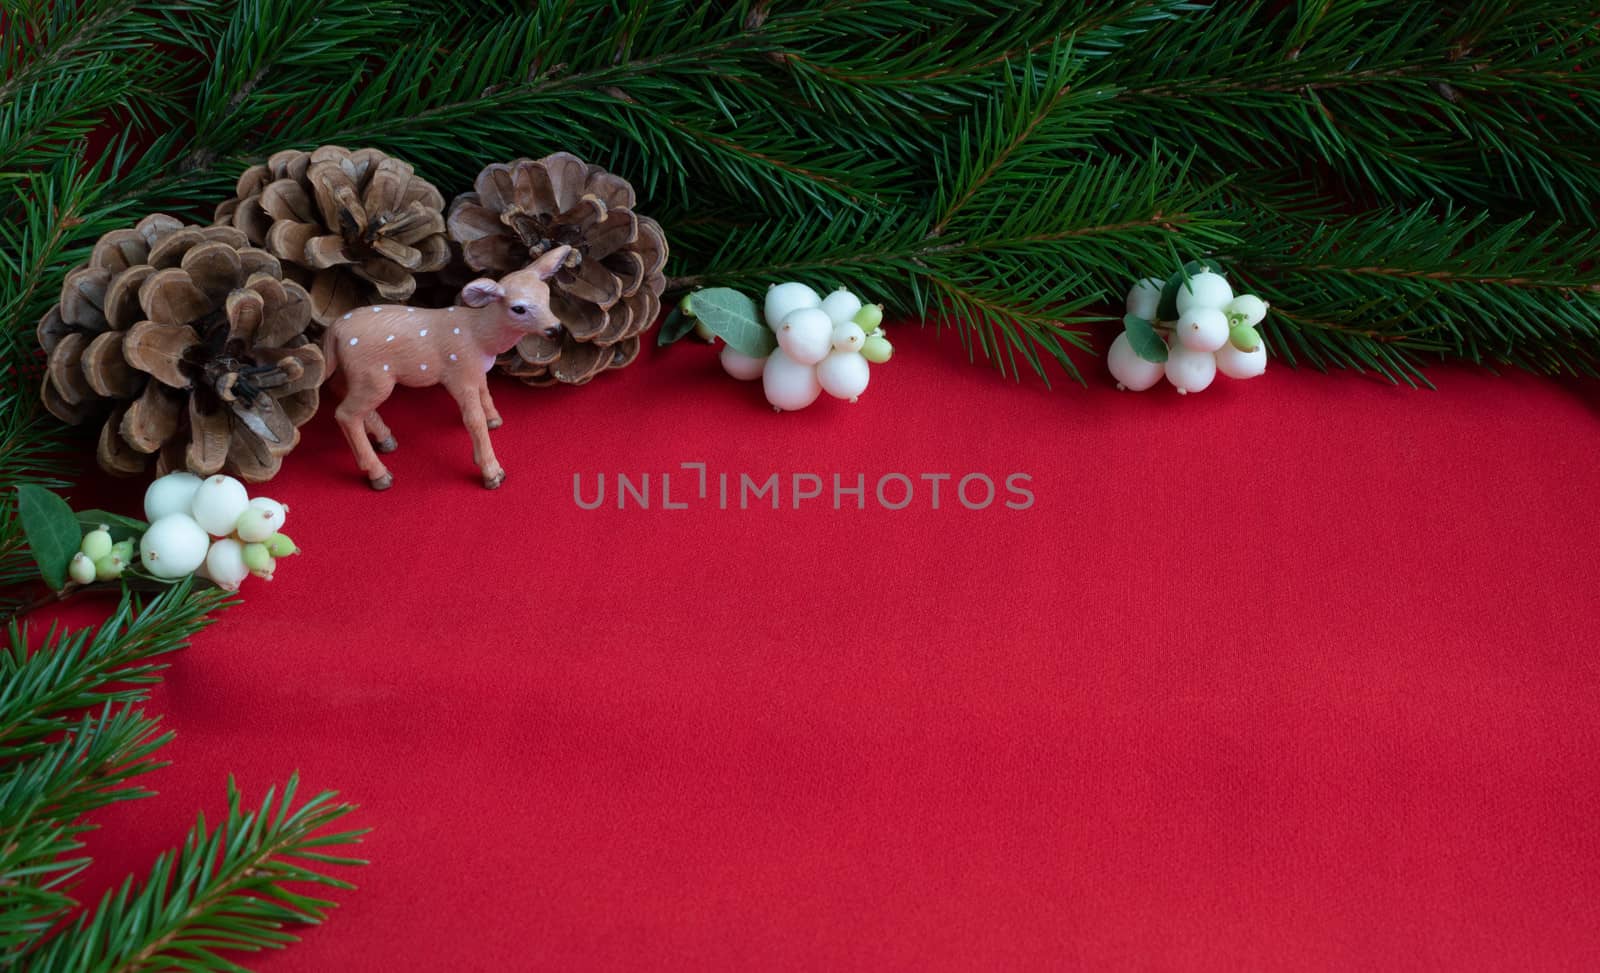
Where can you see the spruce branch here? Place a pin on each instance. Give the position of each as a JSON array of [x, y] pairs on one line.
[[231, 888], [43, 801], [114, 663], [1409, 284]]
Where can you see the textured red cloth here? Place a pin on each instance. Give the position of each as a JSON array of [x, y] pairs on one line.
[[1296, 673]]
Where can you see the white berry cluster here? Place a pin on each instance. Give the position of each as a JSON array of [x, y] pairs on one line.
[[212, 529], [1192, 326], [824, 345]]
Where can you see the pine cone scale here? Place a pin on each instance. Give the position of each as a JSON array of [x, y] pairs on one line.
[[52, 329], [591, 281], [324, 252], [65, 372], [245, 309], [213, 267], [113, 452], [609, 236], [83, 297], [122, 309], [151, 420], [159, 351], [469, 220], [107, 371], [168, 252], [209, 433], [286, 200], [171, 297]]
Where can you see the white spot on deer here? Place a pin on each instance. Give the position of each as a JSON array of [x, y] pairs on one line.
[[377, 309], [424, 367], [386, 368], [452, 357], [423, 333], [348, 316], [455, 330], [390, 338], [354, 340]]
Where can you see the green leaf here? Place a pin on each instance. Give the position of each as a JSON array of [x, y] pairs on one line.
[[733, 317], [1168, 311], [52, 531], [674, 326], [1142, 336], [122, 528]]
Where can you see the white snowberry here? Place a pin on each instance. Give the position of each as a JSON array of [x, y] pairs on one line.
[[81, 568], [225, 563], [844, 374], [218, 502], [279, 511], [806, 335], [173, 546], [1204, 289], [789, 384], [170, 494], [784, 298], [1189, 370], [848, 337], [743, 367], [1246, 309], [1241, 364], [1145, 298], [841, 306], [1131, 371], [1201, 329]]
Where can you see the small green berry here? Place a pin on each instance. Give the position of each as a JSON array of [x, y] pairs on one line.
[[124, 550], [259, 560], [279, 545], [869, 317], [1244, 337], [108, 568], [876, 349], [685, 306], [81, 568], [254, 525], [97, 543]]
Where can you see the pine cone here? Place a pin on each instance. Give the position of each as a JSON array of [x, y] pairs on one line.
[[349, 226], [610, 290], [194, 340]]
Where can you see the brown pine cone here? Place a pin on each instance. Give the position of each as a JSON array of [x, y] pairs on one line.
[[352, 227], [610, 290], [195, 342]]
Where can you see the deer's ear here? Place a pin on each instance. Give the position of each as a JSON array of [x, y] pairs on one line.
[[547, 265], [481, 292]]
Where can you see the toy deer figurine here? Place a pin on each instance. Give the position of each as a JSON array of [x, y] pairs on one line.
[[380, 346]]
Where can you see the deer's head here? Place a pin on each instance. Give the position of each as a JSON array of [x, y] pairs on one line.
[[524, 296]]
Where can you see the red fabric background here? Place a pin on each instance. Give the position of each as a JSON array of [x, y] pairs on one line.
[[1297, 673]]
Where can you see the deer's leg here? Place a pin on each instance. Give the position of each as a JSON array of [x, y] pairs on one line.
[[470, 398], [490, 414], [382, 438], [351, 415]]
